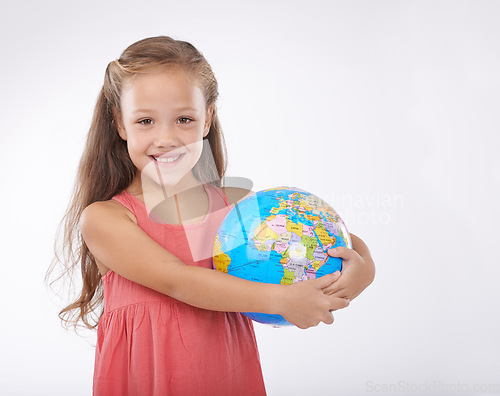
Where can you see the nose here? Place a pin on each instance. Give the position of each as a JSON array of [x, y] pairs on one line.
[[166, 137]]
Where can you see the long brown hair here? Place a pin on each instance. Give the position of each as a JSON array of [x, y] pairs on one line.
[[106, 169]]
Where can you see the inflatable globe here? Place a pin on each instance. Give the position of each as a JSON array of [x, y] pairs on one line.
[[279, 235]]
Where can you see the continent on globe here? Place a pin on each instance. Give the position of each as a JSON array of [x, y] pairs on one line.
[[279, 235]]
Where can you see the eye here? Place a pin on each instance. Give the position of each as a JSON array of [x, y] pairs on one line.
[[184, 120], [146, 121]]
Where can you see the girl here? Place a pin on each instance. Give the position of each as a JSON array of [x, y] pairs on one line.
[[148, 199]]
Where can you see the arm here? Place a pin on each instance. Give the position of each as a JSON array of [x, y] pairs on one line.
[[358, 269], [122, 246]]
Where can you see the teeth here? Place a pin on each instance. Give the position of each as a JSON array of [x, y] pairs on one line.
[[159, 159]]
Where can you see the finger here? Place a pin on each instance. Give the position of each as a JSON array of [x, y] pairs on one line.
[[335, 289], [342, 293], [337, 284], [345, 302], [326, 280], [336, 276], [339, 303], [340, 251], [328, 318]]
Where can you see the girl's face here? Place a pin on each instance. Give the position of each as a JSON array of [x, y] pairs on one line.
[[164, 119]]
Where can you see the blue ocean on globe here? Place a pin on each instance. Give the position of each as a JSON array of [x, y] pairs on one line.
[[279, 235]]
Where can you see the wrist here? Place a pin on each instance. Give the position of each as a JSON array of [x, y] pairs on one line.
[[277, 299]]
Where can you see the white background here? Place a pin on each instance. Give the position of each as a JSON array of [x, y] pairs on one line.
[[388, 110]]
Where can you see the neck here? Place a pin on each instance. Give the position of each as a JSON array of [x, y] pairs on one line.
[[167, 191], [152, 193]]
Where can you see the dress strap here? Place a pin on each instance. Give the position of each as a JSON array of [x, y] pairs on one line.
[[178, 211], [124, 200], [224, 195]]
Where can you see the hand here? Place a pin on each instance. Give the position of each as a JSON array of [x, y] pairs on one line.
[[305, 304], [357, 274]]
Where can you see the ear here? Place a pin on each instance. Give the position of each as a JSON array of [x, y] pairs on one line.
[[208, 121], [121, 132], [119, 126]]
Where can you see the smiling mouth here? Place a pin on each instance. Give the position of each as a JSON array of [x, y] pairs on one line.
[[167, 160]]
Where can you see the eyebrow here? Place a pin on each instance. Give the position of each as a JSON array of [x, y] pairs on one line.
[[176, 109]]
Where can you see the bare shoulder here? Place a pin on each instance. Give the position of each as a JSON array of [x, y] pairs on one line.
[[108, 210], [236, 194], [99, 215]]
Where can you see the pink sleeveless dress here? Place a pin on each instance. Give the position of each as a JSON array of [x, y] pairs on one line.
[[151, 344]]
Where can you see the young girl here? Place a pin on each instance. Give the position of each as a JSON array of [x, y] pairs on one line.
[[148, 199]]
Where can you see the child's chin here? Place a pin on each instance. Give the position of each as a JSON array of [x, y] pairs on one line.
[[167, 181], [164, 178]]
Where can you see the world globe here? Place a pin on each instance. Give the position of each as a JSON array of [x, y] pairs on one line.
[[280, 235]]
